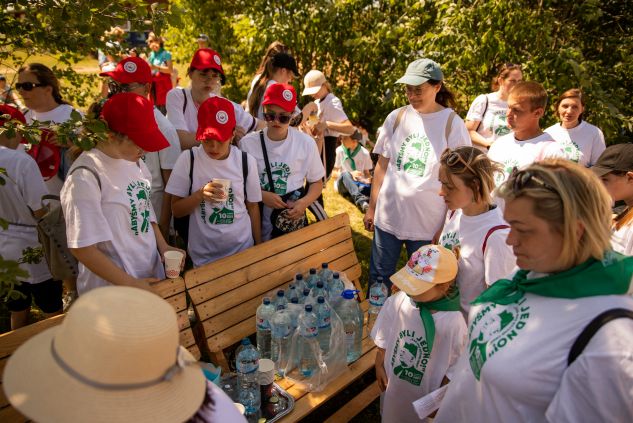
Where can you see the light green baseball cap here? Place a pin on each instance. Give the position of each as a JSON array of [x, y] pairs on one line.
[[420, 71]]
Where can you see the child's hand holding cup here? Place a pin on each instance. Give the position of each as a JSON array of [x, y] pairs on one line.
[[217, 190]]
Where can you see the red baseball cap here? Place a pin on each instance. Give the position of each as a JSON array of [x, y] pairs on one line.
[[205, 58], [282, 95], [129, 70], [216, 120], [133, 115], [11, 111]]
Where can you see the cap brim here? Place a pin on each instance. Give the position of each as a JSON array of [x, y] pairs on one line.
[[40, 389], [212, 134], [409, 284], [600, 171], [111, 74], [311, 90], [149, 140], [412, 80], [282, 105]]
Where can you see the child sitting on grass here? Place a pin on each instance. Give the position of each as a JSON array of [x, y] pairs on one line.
[[420, 332], [351, 170]]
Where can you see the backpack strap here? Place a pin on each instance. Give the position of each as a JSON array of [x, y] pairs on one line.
[[482, 115], [89, 170], [590, 330], [268, 171], [184, 103], [244, 172], [449, 125], [398, 118], [191, 160], [490, 232]]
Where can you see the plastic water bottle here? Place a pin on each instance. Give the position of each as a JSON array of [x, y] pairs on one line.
[[308, 328], [299, 283], [294, 308], [264, 313], [319, 291], [325, 274], [352, 317], [281, 299], [305, 298], [312, 278], [292, 293], [377, 296], [247, 364], [336, 287], [324, 315], [281, 331]]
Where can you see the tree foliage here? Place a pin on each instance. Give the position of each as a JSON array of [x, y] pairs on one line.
[[363, 46]]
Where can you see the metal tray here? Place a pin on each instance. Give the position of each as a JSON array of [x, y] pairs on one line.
[[287, 401]]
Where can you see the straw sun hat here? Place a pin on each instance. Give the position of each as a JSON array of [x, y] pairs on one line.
[[114, 358]]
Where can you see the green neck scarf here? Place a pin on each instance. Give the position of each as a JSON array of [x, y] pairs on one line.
[[611, 276], [450, 303], [350, 155]]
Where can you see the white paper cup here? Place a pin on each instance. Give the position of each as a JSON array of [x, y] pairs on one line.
[[240, 407], [226, 185], [266, 371], [173, 259]]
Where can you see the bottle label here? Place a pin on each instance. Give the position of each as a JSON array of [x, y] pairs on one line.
[[376, 300], [262, 324], [324, 322], [247, 366], [310, 331]]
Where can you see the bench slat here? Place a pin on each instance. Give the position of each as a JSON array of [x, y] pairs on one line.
[[260, 252], [10, 341]]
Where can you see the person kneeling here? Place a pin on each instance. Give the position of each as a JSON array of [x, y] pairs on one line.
[[352, 170]]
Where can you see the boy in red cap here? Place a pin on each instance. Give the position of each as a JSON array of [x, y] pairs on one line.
[[286, 159], [222, 195], [207, 77], [134, 75], [110, 223], [22, 191]]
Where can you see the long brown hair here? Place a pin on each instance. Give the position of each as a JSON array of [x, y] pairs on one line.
[[474, 168], [257, 96], [444, 96], [274, 48], [45, 76]]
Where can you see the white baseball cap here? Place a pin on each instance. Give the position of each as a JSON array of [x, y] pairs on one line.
[[313, 82]]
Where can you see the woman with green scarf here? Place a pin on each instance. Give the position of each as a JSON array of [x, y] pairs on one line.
[[530, 356]]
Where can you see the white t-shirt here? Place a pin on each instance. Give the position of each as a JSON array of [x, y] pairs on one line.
[[524, 376], [478, 269], [511, 153], [582, 144], [411, 373], [494, 123], [409, 205], [222, 229], [331, 109], [23, 189], [362, 160], [59, 114], [164, 159], [116, 217], [622, 239], [189, 120], [292, 161]]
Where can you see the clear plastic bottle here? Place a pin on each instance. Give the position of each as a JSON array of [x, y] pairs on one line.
[[281, 325], [294, 308], [335, 289], [281, 299], [378, 294], [352, 317], [325, 274], [292, 293], [312, 278], [305, 298], [308, 328], [299, 283], [319, 291], [264, 313], [247, 364], [324, 316]]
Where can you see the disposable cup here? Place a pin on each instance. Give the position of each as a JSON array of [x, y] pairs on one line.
[[226, 186], [173, 259], [266, 371]]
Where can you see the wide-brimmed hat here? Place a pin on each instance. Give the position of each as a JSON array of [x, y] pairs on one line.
[[430, 265], [216, 120], [313, 81], [420, 71], [114, 358]]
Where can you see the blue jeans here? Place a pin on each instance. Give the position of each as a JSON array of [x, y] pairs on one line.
[[347, 185], [385, 252]]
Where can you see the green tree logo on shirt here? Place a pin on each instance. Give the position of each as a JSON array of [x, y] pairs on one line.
[[571, 150], [413, 154], [221, 213], [138, 193], [280, 172], [492, 329], [500, 123], [410, 357], [508, 166]]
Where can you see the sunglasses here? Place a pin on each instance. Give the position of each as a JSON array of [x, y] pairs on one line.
[[281, 118], [451, 158], [525, 179], [27, 86], [115, 87]]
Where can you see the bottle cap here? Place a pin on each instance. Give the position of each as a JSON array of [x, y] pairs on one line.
[[294, 300], [280, 307], [280, 293], [336, 275], [313, 271], [324, 266], [320, 284], [308, 307], [306, 292], [349, 294], [246, 341], [320, 300], [299, 277], [266, 300]]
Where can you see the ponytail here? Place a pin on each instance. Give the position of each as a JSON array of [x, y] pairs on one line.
[[443, 96]]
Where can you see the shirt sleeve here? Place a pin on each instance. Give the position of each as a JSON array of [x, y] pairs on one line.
[[168, 156], [597, 387], [476, 111], [31, 184], [383, 326], [597, 148], [338, 162], [551, 150], [458, 135], [253, 189], [244, 119], [178, 183], [499, 260], [335, 112], [81, 203], [385, 133], [174, 102], [316, 170]]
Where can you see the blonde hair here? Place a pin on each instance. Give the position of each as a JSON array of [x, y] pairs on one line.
[[531, 91], [564, 195], [475, 169]]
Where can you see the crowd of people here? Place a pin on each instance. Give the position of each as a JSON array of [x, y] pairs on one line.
[[512, 244]]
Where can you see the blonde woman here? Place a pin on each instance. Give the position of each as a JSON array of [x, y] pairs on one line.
[[526, 360], [474, 227]]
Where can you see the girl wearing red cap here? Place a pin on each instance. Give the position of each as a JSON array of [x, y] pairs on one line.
[[221, 193], [286, 159], [23, 190], [110, 223], [207, 76]]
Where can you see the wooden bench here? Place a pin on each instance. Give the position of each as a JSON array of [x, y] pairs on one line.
[[172, 290], [226, 294]]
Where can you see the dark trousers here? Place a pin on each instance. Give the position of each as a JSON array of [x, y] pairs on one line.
[[347, 185]]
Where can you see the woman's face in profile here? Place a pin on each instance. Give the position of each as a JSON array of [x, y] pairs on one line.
[[535, 244]]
